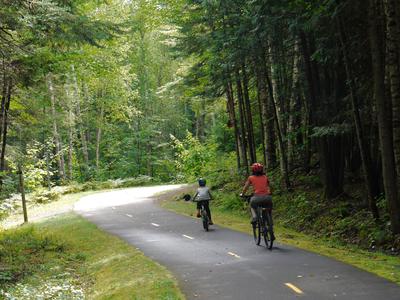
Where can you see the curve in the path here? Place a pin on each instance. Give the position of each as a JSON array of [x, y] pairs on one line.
[[225, 264]]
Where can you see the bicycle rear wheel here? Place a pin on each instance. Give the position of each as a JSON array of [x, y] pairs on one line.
[[264, 231], [268, 232], [204, 218]]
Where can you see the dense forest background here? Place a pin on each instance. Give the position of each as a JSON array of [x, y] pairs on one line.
[[177, 89]]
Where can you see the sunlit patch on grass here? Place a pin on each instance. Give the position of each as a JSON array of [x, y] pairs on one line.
[[107, 260], [62, 287]]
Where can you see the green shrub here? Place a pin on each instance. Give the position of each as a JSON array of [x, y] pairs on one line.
[[9, 185], [45, 196], [7, 206], [133, 182], [191, 156], [96, 185], [229, 201], [310, 181]]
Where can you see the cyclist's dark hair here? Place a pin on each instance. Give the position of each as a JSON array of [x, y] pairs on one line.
[[258, 173]]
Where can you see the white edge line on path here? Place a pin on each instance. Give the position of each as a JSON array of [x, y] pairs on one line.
[[233, 254], [113, 207], [294, 288], [188, 237], [128, 215], [155, 224]]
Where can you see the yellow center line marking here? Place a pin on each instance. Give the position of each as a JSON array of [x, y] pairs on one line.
[[188, 237], [234, 254], [128, 215], [155, 224], [294, 288]]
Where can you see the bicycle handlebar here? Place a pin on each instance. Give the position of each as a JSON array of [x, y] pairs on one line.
[[246, 197]]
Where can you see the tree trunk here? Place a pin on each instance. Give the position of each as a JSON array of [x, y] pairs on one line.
[[149, 160], [242, 118], [98, 137], [262, 117], [3, 99], [364, 153], [308, 104], [86, 98], [56, 137], [250, 129], [294, 107], [70, 133], [81, 129], [332, 164], [138, 145], [280, 110], [231, 108], [267, 116], [4, 125], [22, 191], [282, 150], [384, 121], [233, 122], [393, 48], [48, 177], [200, 121]]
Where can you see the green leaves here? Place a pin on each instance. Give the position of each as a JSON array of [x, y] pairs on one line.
[[331, 130], [191, 157]]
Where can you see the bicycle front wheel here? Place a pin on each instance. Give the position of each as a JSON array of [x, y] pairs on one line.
[[257, 232]]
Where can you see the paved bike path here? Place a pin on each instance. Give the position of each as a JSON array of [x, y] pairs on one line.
[[225, 264]]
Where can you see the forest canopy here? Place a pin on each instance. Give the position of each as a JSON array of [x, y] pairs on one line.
[[177, 89]]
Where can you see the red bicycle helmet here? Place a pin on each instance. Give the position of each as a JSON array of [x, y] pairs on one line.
[[257, 168]]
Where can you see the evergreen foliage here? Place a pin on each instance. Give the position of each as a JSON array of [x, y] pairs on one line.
[[177, 89]]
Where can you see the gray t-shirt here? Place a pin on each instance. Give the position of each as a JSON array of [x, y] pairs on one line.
[[203, 193]]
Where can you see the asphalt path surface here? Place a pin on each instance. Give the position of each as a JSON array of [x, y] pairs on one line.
[[225, 264]]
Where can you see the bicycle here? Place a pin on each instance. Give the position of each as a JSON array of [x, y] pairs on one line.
[[203, 213], [204, 216], [262, 226]]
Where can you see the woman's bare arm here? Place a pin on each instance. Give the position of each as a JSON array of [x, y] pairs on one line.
[[245, 188]]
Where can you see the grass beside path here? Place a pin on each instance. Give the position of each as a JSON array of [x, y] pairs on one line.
[[67, 257], [378, 263]]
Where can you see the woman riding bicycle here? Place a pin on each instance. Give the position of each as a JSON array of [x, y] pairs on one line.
[[262, 192]]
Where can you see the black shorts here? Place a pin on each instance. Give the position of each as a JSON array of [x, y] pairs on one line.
[[263, 201], [203, 202]]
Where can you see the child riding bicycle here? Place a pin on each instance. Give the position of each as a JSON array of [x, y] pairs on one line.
[[202, 197], [262, 192]]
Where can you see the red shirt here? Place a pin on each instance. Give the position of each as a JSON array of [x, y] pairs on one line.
[[260, 184]]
